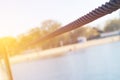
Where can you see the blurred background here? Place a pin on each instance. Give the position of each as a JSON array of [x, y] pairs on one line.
[[23, 21]]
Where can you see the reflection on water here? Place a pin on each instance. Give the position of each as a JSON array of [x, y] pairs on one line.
[[95, 63]]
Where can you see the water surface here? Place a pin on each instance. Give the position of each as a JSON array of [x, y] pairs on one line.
[[93, 63]]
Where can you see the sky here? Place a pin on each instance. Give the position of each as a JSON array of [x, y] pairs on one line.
[[19, 16]]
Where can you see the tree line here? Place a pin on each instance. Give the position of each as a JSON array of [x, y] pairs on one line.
[[16, 46]]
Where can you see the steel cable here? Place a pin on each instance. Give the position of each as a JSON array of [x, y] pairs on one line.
[[103, 10]]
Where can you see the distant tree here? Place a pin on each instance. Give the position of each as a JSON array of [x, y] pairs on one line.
[[85, 31], [27, 38], [112, 25], [36, 33], [50, 25], [9, 44]]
